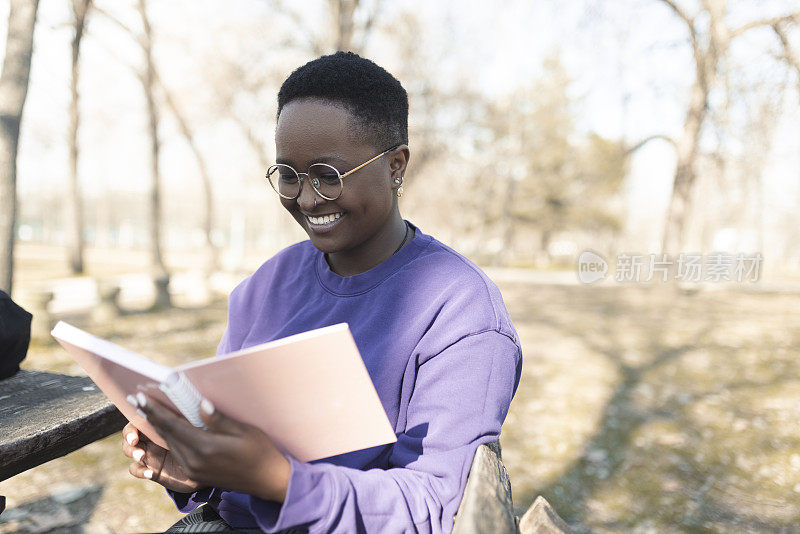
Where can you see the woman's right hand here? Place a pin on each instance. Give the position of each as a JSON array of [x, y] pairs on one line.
[[153, 462]]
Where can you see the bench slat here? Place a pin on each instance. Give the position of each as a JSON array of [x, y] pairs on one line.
[[46, 415], [486, 505]]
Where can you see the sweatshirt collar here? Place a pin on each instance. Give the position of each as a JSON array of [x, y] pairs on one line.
[[363, 282]]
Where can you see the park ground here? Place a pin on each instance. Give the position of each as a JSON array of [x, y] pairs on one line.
[[640, 409]]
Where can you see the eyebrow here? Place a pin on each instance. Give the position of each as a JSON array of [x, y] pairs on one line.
[[321, 159]]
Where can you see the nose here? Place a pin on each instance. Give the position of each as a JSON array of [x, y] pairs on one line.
[[307, 196]]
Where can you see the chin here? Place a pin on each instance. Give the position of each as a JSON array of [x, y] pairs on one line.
[[322, 246], [322, 243]]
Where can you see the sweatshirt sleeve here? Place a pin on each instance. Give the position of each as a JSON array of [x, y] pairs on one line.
[[186, 502], [460, 398]]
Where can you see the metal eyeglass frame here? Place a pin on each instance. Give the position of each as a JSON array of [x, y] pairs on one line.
[[300, 175]]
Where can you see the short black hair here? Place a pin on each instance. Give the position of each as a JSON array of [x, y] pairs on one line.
[[375, 98]]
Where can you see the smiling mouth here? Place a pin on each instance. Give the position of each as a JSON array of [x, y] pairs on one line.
[[324, 223], [324, 219]]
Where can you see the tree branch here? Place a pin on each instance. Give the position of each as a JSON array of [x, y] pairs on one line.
[[134, 35], [136, 71], [369, 23], [689, 21], [646, 140], [788, 53], [793, 17], [298, 20], [698, 54], [253, 139]]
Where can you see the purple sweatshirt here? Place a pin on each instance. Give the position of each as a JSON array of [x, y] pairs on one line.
[[445, 360]]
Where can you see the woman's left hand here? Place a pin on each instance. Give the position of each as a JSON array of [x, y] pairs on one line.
[[230, 454]]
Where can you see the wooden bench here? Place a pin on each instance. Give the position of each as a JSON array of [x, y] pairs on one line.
[[487, 505], [47, 415]]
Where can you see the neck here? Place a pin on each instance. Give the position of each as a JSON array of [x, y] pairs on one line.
[[373, 252]]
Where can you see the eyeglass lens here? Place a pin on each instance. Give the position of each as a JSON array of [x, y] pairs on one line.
[[325, 180]]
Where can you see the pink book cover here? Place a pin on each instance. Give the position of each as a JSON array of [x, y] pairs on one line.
[[310, 393]]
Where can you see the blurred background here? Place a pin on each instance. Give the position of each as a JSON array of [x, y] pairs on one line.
[[538, 130]]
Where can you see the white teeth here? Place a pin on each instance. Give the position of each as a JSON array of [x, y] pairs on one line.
[[325, 219]]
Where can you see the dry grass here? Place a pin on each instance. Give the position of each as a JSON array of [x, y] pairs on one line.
[[644, 410], [639, 410]]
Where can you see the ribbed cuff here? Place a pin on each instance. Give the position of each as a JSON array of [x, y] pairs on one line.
[[186, 502], [307, 501]]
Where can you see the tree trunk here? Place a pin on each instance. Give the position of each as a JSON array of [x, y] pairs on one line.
[[148, 84], [707, 58], [75, 209], [509, 226], [342, 11], [685, 172], [205, 177], [13, 90], [708, 53], [544, 246]]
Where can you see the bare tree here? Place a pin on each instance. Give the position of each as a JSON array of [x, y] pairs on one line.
[[151, 79], [13, 91], [148, 79], [710, 45], [553, 179], [205, 177], [80, 8], [351, 23], [342, 14], [789, 55]]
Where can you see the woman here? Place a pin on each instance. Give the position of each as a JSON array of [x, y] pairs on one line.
[[432, 329]]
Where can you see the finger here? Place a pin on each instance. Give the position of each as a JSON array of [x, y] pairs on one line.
[[218, 422], [136, 453], [142, 471], [127, 449], [133, 435], [180, 434], [170, 426], [130, 434]]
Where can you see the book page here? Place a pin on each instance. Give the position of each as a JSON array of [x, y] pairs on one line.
[[311, 392], [117, 372]]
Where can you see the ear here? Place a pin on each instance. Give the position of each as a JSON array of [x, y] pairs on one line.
[[398, 161]]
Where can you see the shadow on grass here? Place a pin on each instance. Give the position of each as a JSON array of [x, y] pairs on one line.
[[63, 512], [685, 485]]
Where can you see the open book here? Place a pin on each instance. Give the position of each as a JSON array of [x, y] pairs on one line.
[[310, 393]]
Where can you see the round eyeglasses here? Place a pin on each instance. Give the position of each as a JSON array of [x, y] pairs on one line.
[[326, 179]]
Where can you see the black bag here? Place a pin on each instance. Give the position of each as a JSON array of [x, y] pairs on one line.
[[15, 335]]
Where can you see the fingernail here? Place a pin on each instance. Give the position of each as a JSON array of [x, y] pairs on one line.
[[142, 414], [148, 473], [206, 406], [141, 398], [131, 438], [138, 454], [131, 399]]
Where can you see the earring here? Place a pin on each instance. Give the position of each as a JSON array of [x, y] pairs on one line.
[[400, 191], [398, 180]]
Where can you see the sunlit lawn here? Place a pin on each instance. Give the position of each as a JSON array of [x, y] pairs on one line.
[[643, 410], [639, 410]]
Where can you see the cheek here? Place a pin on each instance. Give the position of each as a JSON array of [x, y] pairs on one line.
[[287, 204], [383, 198], [369, 199]]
